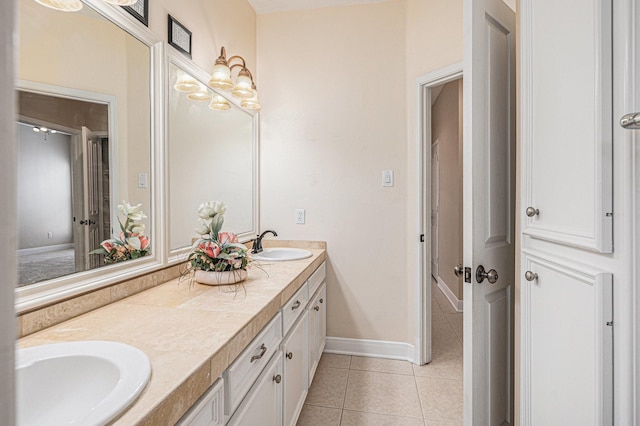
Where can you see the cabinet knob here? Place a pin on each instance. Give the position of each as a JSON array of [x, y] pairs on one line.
[[316, 308], [321, 300], [531, 211], [530, 276], [277, 378], [289, 355]]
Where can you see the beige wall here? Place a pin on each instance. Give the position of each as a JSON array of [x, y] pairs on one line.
[[337, 87], [446, 129]]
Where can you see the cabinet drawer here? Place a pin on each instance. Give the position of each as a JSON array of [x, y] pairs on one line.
[[239, 377], [294, 307], [208, 410], [317, 278]]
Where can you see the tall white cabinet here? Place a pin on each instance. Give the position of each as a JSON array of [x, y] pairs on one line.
[[574, 215]]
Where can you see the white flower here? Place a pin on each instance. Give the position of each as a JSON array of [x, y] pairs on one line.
[[210, 209], [132, 212], [134, 242], [203, 227]]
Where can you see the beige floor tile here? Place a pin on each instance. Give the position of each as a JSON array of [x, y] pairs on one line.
[[457, 322], [382, 393], [446, 364], [381, 365], [312, 415], [328, 387], [442, 423], [441, 398], [335, 361], [443, 336], [358, 418]]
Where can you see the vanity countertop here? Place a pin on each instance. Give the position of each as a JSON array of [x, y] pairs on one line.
[[190, 332]]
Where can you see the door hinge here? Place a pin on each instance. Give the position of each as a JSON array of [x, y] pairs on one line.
[[467, 275], [610, 323], [422, 238], [609, 214]]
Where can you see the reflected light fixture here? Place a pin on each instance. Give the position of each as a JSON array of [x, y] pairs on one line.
[[62, 5], [252, 102], [244, 87], [202, 94], [45, 131], [186, 83], [219, 103]]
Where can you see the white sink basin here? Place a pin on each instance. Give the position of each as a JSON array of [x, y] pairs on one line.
[[281, 254], [79, 383]]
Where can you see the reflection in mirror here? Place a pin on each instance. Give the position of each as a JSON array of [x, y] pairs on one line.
[[212, 156], [84, 137]]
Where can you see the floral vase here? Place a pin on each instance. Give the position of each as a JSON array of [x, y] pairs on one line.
[[220, 278]]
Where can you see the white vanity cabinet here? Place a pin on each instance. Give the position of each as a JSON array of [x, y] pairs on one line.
[[317, 328], [209, 410], [296, 359], [263, 404]]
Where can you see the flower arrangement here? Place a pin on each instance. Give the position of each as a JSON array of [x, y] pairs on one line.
[[131, 243], [216, 251]]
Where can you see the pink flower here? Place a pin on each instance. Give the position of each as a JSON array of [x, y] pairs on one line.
[[210, 249], [144, 242], [108, 245], [227, 237]]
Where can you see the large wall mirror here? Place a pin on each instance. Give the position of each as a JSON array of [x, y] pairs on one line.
[[85, 124], [212, 155]]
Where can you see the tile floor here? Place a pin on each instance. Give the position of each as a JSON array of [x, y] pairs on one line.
[[358, 391]]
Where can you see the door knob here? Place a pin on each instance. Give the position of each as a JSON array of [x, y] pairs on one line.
[[631, 121], [530, 276], [531, 211], [458, 270], [481, 274]]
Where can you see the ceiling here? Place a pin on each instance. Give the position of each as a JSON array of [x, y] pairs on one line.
[[268, 6]]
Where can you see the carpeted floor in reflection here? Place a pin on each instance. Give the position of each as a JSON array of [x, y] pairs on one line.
[[33, 268]]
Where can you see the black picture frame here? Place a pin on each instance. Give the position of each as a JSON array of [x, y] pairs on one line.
[[140, 11], [179, 36]]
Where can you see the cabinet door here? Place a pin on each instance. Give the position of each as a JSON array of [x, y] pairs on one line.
[[296, 358], [567, 347], [263, 404], [317, 329], [566, 122]]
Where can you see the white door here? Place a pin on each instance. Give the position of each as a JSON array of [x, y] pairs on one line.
[[488, 210], [435, 206]]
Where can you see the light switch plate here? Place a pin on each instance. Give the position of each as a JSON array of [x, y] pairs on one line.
[[142, 180], [387, 178]]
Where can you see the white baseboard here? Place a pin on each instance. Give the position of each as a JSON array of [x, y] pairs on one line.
[[370, 348], [457, 304], [45, 249]]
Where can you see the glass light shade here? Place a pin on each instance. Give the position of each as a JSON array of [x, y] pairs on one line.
[[243, 88], [251, 103], [202, 94], [186, 83], [63, 5], [219, 103], [221, 78], [122, 2]]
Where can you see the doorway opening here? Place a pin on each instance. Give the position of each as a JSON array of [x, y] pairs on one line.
[[432, 260]]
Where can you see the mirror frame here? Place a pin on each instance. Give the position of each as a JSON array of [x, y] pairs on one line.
[[177, 59], [47, 292]]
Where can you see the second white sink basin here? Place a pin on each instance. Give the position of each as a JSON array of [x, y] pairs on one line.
[[280, 254], [79, 383]]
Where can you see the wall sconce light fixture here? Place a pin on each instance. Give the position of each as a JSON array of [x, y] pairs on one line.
[[45, 131], [219, 103], [244, 87]]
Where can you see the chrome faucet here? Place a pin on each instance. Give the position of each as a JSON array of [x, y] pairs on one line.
[[257, 244]]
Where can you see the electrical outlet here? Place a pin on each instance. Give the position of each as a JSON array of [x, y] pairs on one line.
[[50, 235], [300, 217]]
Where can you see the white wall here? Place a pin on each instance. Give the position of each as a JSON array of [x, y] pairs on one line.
[[44, 188], [7, 215], [337, 87]]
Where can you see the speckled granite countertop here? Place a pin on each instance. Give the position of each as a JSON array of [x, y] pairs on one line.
[[191, 333]]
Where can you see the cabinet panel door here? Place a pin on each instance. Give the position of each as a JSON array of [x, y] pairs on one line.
[[567, 343], [263, 404], [314, 337], [566, 88], [296, 357]]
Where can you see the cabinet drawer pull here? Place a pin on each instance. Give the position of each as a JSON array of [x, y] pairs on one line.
[[277, 378], [316, 308], [257, 357], [290, 355], [296, 305]]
